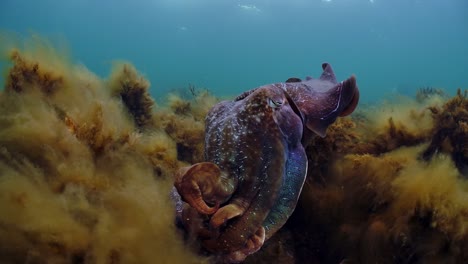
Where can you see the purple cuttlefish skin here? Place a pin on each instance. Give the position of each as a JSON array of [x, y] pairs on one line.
[[255, 160]]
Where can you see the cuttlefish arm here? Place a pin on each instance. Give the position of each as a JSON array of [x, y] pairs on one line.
[[201, 183]]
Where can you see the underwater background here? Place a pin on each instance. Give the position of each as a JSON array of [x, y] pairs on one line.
[[102, 102], [231, 46]]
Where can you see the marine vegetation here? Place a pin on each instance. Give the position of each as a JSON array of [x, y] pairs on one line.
[[450, 132], [84, 174], [425, 93], [87, 167]]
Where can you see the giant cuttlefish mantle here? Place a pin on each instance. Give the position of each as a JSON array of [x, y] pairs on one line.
[[255, 161]]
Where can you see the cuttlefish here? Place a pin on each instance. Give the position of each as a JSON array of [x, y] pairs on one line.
[[255, 161]]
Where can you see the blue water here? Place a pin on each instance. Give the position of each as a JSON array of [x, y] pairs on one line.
[[232, 46]]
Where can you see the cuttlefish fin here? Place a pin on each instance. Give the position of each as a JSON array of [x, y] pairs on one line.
[[350, 84], [340, 100], [293, 80], [328, 74]]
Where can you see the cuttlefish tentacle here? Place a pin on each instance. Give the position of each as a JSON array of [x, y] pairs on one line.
[[193, 222], [253, 245], [226, 213], [203, 182]]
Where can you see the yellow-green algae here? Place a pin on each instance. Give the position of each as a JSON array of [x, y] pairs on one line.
[[84, 174]]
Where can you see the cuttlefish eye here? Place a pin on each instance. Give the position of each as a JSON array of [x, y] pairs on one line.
[[275, 103]]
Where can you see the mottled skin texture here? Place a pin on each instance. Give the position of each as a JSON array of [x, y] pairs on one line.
[[255, 161]]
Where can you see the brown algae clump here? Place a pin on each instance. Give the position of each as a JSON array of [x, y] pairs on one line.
[[133, 91], [80, 181], [450, 135], [184, 122]]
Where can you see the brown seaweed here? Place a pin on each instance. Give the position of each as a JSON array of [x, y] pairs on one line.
[[451, 132], [184, 122], [28, 74], [80, 182], [133, 91], [425, 93]]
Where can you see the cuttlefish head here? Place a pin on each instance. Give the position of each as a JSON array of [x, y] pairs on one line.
[[320, 101]]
